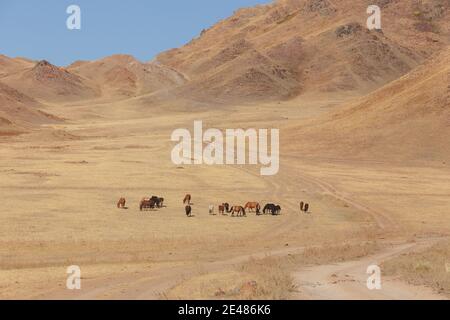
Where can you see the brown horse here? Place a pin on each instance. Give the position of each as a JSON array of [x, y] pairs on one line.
[[302, 204], [187, 199], [252, 206], [188, 210], [239, 210], [147, 203], [121, 203]]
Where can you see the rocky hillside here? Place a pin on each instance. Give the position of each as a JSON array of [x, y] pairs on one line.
[[280, 50], [47, 82], [124, 76], [19, 113]]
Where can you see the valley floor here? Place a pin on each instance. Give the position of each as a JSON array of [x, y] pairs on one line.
[[60, 188]]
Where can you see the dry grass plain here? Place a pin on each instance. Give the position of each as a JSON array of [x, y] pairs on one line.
[[59, 192]]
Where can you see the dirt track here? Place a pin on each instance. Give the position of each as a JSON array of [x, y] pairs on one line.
[[347, 280]]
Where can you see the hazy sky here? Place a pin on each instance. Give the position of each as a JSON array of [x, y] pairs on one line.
[[143, 28]]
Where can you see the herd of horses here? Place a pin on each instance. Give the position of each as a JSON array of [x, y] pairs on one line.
[[145, 204], [238, 211], [225, 208]]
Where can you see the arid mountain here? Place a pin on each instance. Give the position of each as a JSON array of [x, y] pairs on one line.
[[293, 46], [124, 76], [265, 53], [47, 82], [19, 113], [406, 119]]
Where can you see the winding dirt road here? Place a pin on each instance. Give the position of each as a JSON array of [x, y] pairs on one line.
[[347, 280]]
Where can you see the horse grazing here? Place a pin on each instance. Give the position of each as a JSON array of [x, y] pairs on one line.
[[272, 209], [239, 210], [188, 210], [253, 206], [158, 201], [121, 203], [302, 204], [187, 199], [269, 208], [147, 203], [211, 209]]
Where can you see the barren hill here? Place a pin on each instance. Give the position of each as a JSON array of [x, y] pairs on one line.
[[19, 113], [10, 66], [124, 76], [288, 47], [51, 83], [406, 119]]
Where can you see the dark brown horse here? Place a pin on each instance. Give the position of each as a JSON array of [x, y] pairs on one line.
[[188, 210], [224, 208], [302, 204], [306, 207], [121, 203], [187, 199], [147, 203]]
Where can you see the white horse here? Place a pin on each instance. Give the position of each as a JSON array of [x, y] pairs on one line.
[[211, 209]]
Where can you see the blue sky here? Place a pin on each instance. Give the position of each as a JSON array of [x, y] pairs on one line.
[[143, 28]]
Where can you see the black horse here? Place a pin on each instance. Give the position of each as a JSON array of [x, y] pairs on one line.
[[159, 202], [188, 210], [269, 208], [272, 209]]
